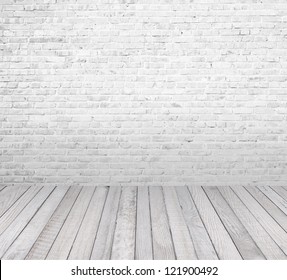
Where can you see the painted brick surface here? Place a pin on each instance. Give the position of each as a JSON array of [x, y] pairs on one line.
[[143, 92]]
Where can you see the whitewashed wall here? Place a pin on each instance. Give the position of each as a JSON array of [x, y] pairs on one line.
[[143, 92]]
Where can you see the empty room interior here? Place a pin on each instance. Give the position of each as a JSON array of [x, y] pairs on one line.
[[143, 130]]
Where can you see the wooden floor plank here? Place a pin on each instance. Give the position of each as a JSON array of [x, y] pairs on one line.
[[221, 240], [183, 244], [275, 197], [21, 246], [240, 236], [124, 237], [10, 215], [40, 249], [269, 206], [61, 248], [143, 223], [9, 195], [281, 191], [104, 240], [263, 217], [83, 245], [202, 243], [14, 229], [266, 244], [161, 236], [144, 250]]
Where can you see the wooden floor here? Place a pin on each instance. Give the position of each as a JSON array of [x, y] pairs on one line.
[[143, 223]]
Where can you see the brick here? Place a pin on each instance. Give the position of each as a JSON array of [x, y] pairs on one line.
[[143, 93]]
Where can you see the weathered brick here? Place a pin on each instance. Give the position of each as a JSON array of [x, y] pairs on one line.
[[159, 93]]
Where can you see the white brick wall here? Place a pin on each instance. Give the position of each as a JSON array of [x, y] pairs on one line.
[[143, 92]]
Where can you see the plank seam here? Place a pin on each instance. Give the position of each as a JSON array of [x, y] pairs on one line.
[[23, 208], [46, 223], [256, 218], [29, 219], [152, 247], [113, 233], [136, 218], [170, 231], [63, 222], [222, 221], [16, 200], [266, 209], [81, 222], [193, 243], [99, 222], [241, 223], [274, 189], [3, 188], [203, 224]]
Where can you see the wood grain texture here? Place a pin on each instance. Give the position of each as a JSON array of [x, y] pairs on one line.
[[64, 241], [83, 244], [240, 236], [21, 221], [281, 191], [10, 215], [269, 206], [265, 243], [104, 240], [161, 236], [203, 246], [263, 217], [144, 250], [183, 244], [9, 195], [220, 238], [276, 196], [21, 246], [44, 242], [144, 223], [124, 238]]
